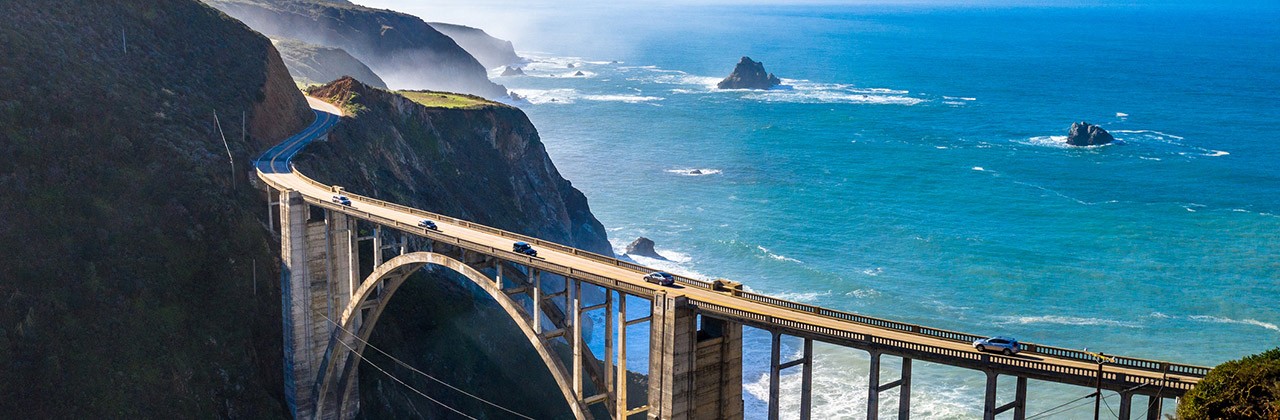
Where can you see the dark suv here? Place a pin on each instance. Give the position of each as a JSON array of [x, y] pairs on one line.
[[524, 248], [428, 224]]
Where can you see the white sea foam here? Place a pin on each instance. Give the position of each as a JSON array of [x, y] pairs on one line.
[[1122, 115], [863, 293], [1224, 320], [1064, 320], [959, 98], [1158, 315], [873, 271], [831, 96], [694, 171], [621, 98], [979, 169], [778, 257], [803, 297], [1215, 153]]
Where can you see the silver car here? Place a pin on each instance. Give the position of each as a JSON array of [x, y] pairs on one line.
[[660, 277], [1006, 345]]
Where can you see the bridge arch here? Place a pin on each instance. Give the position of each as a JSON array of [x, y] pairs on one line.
[[341, 368]]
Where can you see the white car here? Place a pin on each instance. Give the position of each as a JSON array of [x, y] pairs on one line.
[[1006, 345], [342, 199]]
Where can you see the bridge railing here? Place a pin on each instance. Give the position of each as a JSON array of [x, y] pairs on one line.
[[1128, 362]]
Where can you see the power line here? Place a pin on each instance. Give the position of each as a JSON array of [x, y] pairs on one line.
[[406, 385], [415, 370], [1113, 412]]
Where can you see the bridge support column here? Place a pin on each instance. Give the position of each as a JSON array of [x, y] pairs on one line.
[[693, 374], [874, 388], [317, 280], [1018, 405], [1126, 406], [1155, 406]]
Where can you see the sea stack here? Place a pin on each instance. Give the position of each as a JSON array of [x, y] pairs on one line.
[[643, 247], [1085, 134], [512, 71], [578, 74], [749, 75]]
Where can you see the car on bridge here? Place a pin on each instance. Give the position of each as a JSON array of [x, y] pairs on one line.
[[1006, 345], [428, 224], [660, 277], [342, 199], [524, 248]]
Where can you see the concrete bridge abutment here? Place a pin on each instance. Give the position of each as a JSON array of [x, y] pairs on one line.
[[694, 373]]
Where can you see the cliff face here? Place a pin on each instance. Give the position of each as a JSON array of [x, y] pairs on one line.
[[127, 260], [491, 52], [482, 162], [312, 64], [485, 164], [405, 51]]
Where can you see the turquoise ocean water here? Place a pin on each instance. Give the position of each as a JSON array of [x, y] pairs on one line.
[[913, 168]]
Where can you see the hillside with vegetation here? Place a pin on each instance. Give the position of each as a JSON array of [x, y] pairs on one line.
[[491, 52], [311, 64], [1248, 388], [130, 246], [401, 48]]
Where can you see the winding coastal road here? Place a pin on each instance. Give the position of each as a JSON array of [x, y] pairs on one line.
[[842, 328]]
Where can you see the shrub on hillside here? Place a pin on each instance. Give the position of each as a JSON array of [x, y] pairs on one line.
[[1248, 388]]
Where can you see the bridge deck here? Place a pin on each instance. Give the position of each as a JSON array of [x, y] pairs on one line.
[[842, 328]]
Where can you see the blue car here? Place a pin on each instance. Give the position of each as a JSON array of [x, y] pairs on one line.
[[524, 248], [1006, 345], [342, 199], [428, 224]]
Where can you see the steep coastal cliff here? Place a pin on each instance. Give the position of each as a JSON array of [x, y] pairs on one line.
[[404, 50], [483, 163], [127, 258], [472, 159], [311, 64]]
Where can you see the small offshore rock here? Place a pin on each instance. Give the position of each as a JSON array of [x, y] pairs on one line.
[[695, 172], [578, 74], [643, 247], [570, 65], [512, 71], [1085, 134], [749, 74]]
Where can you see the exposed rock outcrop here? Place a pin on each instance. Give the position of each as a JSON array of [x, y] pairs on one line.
[[1085, 134], [437, 159], [491, 52], [643, 247], [403, 50], [749, 74], [311, 64], [579, 74], [512, 71]]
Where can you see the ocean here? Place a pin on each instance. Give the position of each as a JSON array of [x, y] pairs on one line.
[[913, 167]]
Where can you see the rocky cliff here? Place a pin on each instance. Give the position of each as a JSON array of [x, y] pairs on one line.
[[128, 252], [491, 52], [405, 51], [311, 64], [480, 161]]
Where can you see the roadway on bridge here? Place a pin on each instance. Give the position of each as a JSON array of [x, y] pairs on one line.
[[276, 170]]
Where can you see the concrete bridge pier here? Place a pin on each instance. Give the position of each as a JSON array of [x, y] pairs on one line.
[[317, 280], [693, 373], [874, 388], [1018, 405]]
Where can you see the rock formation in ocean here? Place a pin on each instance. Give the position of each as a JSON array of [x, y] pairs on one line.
[[578, 74], [512, 71], [749, 75], [1085, 134], [569, 66], [643, 247], [489, 51]]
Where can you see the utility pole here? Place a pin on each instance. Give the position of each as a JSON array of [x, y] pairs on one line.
[[224, 144], [1097, 394]]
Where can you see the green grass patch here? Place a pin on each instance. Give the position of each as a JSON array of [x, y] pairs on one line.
[[446, 100]]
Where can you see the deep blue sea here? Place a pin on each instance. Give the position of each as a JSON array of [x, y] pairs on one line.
[[913, 167]]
